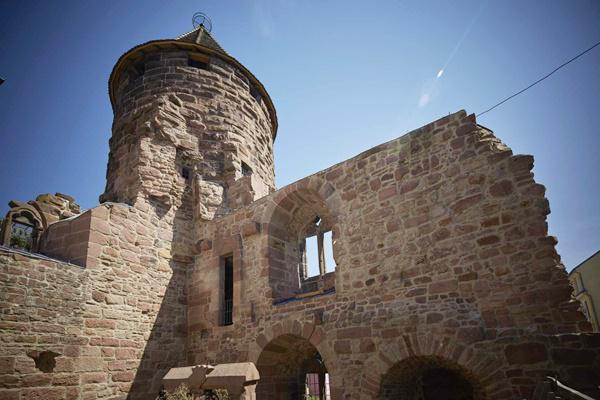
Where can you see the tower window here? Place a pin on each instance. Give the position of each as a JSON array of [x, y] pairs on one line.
[[186, 173], [227, 291], [254, 92], [199, 61], [246, 170], [139, 68]]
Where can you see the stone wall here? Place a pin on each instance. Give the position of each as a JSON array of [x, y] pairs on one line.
[[118, 324], [170, 116], [442, 256], [441, 245], [43, 306], [68, 239]]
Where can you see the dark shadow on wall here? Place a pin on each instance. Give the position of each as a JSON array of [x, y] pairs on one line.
[[166, 345]]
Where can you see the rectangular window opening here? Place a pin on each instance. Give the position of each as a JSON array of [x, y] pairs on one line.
[[312, 257], [227, 290], [328, 250], [199, 61]]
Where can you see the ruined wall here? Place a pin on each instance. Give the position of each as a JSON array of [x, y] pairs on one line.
[[441, 245], [118, 324]]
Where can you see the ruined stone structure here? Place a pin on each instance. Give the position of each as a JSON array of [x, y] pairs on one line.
[[445, 284]]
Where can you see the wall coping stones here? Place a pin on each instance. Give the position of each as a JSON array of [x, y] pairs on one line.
[[36, 256]]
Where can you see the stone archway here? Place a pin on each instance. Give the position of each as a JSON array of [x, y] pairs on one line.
[[482, 369], [429, 378], [291, 367]]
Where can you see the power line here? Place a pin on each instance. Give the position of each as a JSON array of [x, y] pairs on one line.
[[539, 80]]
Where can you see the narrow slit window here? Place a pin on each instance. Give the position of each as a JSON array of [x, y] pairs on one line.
[[186, 173], [227, 291], [328, 251], [246, 170], [312, 257]]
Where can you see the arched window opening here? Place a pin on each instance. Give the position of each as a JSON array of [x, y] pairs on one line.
[[22, 228], [21, 235], [301, 237]]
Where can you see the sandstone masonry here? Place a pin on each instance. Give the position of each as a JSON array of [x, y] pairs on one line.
[[445, 284]]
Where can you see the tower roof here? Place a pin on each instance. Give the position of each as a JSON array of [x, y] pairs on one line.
[[201, 36]]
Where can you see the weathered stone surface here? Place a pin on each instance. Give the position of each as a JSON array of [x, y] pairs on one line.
[[439, 240]]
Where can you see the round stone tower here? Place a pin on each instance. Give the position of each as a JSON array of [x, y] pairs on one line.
[[193, 128]]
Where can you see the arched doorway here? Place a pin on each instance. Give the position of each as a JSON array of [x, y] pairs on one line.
[[291, 367], [429, 378]]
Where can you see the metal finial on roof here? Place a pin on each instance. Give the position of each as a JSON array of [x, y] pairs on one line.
[[200, 19]]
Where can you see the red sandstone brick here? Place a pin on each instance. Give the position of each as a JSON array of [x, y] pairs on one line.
[[487, 240], [470, 334], [342, 347], [100, 323], [104, 341], [93, 377], [390, 333], [34, 380], [366, 345], [7, 365], [408, 186], [65, 379], [124, 376], [353, 333], [386, 193], [433, 318], [443, 286], [11, 394], [466, 203], [49, 393]]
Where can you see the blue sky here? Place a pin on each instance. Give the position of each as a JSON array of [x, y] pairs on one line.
[[344, 77]]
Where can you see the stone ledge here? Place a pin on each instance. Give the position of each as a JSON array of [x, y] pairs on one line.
[[36, 256]]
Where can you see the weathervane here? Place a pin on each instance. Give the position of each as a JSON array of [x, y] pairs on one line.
[[200, 19]]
